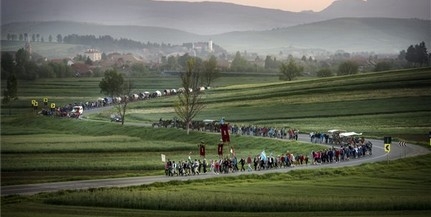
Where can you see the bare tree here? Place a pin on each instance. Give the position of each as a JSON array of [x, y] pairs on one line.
[[114, 85], [190, 101], [127, 88]]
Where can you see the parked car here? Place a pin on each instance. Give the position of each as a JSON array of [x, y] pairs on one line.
[[116, 118], [76, 111]]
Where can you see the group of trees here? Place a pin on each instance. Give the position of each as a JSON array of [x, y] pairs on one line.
[[240, 64], [34, 37], [208, 69], [10, 93], [105, 41], [417, 55], [24, 68]]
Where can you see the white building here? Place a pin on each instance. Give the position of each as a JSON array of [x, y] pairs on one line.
[[93, 54], [210, 46]]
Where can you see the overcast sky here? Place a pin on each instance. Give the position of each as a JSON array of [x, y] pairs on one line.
[[287, 5]]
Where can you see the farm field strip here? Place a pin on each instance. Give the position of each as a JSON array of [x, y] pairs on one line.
[[37, 149]]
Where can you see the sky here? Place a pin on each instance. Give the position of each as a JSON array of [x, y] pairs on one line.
[[286, 5]]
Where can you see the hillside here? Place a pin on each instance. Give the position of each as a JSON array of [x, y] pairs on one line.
[[200, 17], [380, 35], [39, 149], [140, 33]]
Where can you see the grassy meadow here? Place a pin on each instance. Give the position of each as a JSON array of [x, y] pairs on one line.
[[36, 149]]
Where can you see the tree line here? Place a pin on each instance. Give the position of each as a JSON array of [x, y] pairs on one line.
[[415, 56], [24, 68], [105, 41]]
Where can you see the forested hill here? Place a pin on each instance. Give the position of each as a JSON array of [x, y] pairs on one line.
[[138, 33], [200, 17], [380, 35]]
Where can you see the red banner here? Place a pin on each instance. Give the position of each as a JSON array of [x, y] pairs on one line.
[[224, 128], [202, 150], [220, 149]]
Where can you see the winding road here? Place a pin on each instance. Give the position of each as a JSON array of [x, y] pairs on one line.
[[396, 152]]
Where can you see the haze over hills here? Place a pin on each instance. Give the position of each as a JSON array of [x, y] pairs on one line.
[[380, 35], [233, 27], [200, 18]]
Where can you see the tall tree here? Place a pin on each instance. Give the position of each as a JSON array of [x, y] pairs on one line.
[[88, 61], [112, 83], [121, 107], [59, 38], [114, 86], [210, 72], [190, 101], [411, 55], [239, 64], [10, 93], [172, 63], [50, 38], [348, 68], [22, 57], [7, 65], [271, 63], [182, 60], [289, 71], [417, 54]]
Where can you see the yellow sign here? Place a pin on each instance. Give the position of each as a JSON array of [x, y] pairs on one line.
[[33, 101], [53, 105], [387, 148], [36, 104], [45, 99]]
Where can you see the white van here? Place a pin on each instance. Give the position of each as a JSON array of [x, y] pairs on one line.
[[76, 111]]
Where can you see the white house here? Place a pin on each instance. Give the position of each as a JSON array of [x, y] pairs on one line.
[[93, 54]]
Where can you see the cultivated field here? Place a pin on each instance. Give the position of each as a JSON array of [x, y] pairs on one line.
[[45, 149]]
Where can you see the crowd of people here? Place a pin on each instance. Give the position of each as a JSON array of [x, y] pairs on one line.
[[271, 132], [233, 164]]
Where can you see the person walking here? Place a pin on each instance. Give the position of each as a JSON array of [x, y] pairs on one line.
[[242, 162], [249, 163]]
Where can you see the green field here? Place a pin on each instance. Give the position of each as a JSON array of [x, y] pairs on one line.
[[38, 149]]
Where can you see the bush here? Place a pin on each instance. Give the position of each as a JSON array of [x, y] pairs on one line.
[[348, 68], [324, 73]]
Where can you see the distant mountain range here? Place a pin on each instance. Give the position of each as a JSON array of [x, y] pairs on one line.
[[381, 26], [380, 35], [200, 18]]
